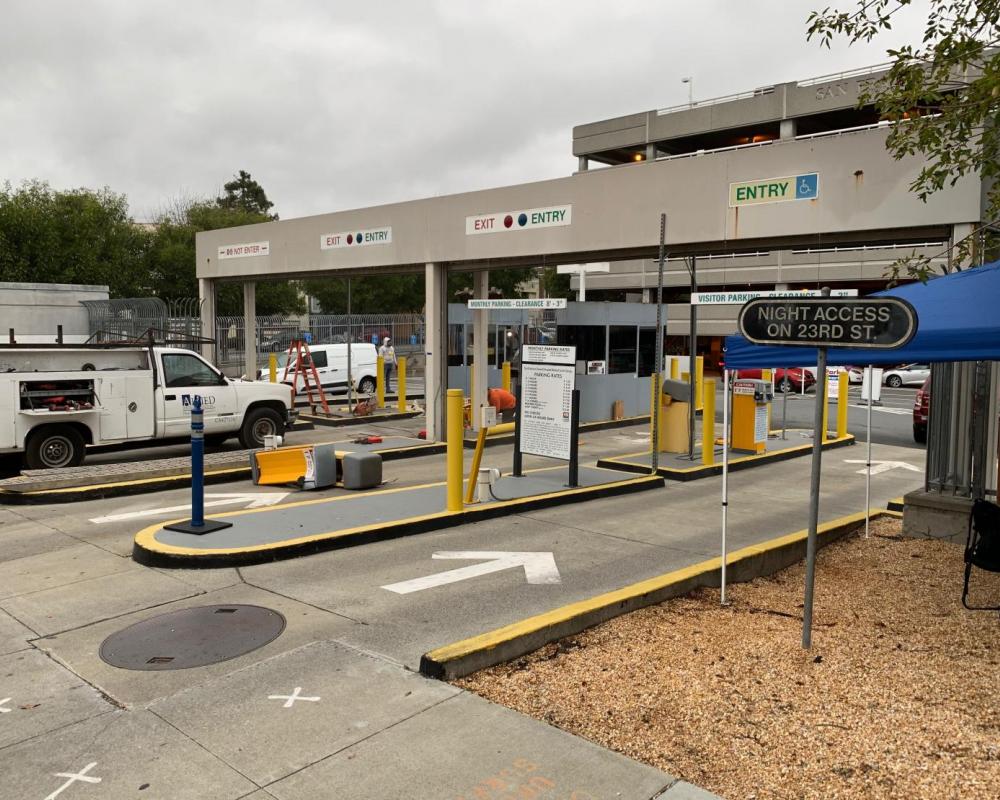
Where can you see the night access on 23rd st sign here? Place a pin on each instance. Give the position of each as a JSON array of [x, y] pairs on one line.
[[874, 323]]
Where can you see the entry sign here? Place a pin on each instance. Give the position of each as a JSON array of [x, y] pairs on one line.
[[873, 323]]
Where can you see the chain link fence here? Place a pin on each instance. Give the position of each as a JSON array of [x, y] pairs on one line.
[[274, 334]]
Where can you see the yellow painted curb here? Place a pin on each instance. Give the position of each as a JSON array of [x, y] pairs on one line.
[[486, 642], [146, 538]]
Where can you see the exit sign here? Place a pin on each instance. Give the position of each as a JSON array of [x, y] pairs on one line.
[[774, 190]]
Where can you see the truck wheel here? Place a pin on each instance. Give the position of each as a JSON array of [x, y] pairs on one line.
[[260, 422], [367, 386], [54, 447]]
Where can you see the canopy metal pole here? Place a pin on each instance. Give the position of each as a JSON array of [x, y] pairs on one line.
[[725, 477], [868, 462], [350, 335], [784, 401], [657, 376]]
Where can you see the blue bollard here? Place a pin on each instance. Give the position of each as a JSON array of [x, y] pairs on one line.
[[197, 523]]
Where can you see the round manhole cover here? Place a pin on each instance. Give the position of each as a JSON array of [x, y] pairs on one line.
[[192, 637]]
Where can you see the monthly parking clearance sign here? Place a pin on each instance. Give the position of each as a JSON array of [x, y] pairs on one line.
[[524, 219]]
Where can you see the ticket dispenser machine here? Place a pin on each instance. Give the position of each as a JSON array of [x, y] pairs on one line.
[[675, 403], [750, 400]]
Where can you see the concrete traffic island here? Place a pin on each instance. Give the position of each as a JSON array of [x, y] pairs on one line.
[[310, 526], [677, 467]]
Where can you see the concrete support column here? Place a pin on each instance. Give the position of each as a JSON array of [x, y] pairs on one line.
[[435, 349], [480, 346], [206, 293], [958, 233], [250, 329], [582, 163], [651, 152], [787, 129]]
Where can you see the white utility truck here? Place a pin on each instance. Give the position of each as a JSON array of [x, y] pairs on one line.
[[55, 400]]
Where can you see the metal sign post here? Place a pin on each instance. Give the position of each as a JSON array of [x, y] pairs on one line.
[[875, 323], [817, 456], [574, 442], [725, 477], [657, 376]]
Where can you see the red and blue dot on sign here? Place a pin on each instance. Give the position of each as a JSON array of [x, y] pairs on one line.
[[522, 220], [356, 238]]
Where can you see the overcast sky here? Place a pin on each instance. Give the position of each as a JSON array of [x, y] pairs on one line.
[[335, 105]]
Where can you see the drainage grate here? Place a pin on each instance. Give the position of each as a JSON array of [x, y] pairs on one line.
[[192, 637]]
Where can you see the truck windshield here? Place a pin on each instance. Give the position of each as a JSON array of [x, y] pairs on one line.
[[181, 369]]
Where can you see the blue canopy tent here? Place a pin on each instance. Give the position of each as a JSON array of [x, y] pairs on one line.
[[958, 319]]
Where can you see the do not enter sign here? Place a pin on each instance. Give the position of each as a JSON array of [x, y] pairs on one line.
[[876, 323]]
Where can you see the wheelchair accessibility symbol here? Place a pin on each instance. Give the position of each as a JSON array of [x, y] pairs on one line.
[[806, 186]]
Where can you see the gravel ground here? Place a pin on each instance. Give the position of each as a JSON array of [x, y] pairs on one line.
[[899, 696]]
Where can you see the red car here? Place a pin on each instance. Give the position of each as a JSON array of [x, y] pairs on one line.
[[921, 410], [789, 379]]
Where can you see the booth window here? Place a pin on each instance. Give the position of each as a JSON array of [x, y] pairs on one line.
[[647, 352], [622, 344], [588, 340]]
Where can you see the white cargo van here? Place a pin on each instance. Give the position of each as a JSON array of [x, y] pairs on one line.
[[331, 366], [55, 400]]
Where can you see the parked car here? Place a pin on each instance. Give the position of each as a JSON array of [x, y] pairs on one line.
[[921, 411], [855, 374], [331, 367], [907, 375], [785, 379]]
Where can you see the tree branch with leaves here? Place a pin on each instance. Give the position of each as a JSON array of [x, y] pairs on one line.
[[941, 96]]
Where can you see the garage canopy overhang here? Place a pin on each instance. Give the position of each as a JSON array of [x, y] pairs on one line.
[[958, 319]]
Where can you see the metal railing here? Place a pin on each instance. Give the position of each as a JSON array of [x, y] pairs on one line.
[[131, 317]]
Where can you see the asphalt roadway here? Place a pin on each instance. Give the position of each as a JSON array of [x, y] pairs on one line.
[[333, 707]]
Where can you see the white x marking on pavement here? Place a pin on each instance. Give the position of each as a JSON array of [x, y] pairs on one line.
[[73, 778], [291, 698]]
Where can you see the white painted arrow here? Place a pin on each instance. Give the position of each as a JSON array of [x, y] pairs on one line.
[[538, 568], [878, 467], [252, 499]]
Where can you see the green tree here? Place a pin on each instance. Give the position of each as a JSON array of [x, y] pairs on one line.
[[75, 236], [556, 285], [942, 97], [171, 256], [244, 193]]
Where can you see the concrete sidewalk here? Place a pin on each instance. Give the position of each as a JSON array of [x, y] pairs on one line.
[[377, 730]]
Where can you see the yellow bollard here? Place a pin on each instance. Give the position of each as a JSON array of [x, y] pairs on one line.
[[477, 459], [380, 381], [401, 382], [674, 367], [654, 398], [505, 375], [699, 382], [455, 446], [842, 389], [708, 425], [272, 368], [821, 397], [765, 375]]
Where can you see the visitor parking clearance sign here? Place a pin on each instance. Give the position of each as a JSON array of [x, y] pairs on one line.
[[506, 221], [774, 190]]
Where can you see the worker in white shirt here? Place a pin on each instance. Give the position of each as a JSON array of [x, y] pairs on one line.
[[388, 353]]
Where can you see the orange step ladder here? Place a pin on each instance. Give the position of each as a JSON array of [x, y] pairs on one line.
[[306, 369]]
